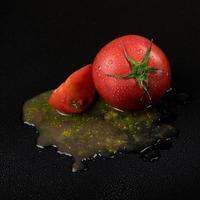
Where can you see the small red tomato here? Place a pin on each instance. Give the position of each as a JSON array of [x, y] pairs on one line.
[[131, 72], [76, 94]]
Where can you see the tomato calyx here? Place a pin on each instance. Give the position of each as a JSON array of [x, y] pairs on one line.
[[139, 70]]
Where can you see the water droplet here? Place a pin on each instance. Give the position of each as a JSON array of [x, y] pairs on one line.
[[150, 153], [110, 62], [99, 75], [139, 51]]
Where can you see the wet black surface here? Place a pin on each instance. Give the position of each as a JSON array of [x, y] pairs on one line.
[[42, 43]]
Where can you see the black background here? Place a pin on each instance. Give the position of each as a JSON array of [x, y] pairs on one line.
[[41, 44]]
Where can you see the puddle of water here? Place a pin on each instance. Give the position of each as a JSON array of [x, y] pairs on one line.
[[102, 130]]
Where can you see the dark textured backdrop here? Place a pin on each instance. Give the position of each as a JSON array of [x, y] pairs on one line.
[[42, 43]]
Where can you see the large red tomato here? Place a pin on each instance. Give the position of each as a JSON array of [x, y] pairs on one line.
[[131, 72]]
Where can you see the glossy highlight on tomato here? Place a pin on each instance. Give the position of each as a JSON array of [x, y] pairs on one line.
[[131, 72]]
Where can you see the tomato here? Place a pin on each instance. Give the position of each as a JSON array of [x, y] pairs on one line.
[[76, 94], [131, 72]]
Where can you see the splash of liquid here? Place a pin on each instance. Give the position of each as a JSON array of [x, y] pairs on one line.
[[102, 130]]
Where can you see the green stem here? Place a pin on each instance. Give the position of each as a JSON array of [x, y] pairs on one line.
[[139, 70]]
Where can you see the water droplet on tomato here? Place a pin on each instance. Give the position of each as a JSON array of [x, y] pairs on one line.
[[139, 51], [99, 68], [110, 62]]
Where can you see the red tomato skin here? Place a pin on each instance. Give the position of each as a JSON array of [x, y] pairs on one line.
[[76, 94], [126, 94]]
